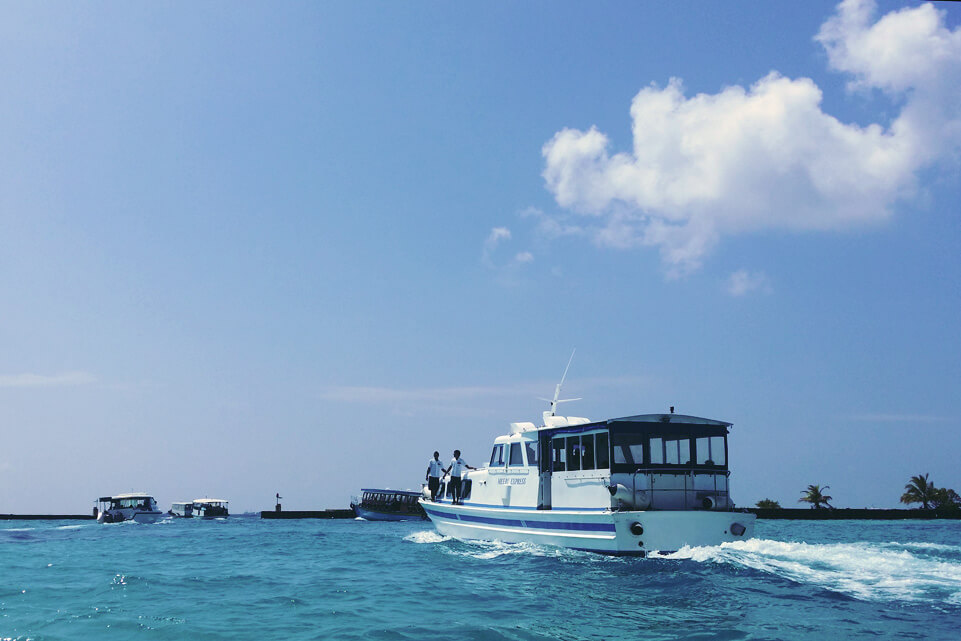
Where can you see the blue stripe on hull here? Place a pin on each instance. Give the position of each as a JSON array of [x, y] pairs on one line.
[[532, 524], [470, 503]]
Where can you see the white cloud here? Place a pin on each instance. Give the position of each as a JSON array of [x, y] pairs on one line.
[[496, 236], [767, 156], [552, 226], [524, 257], [743, 282], [42, 380], [494, 239]]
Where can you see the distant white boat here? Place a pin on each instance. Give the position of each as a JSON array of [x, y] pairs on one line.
[[388, 505], [210, 508], [182, 509], [200, 508], [133, 506]]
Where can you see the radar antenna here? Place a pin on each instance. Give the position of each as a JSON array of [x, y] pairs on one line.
[[557, 390]]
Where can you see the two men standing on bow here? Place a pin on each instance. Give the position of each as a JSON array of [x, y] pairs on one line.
[[455, 469]]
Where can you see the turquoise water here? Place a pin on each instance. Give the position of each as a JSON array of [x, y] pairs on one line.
[[244, 578]]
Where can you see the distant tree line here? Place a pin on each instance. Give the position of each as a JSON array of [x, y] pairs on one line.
[[921, 490], [918, 490]]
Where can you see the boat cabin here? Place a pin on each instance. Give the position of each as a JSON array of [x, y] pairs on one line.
[[645, 462], [183, 509], [133, 500], [210, 508]]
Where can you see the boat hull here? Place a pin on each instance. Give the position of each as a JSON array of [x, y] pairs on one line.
[[118, 516], [638, 533], [373, 515]]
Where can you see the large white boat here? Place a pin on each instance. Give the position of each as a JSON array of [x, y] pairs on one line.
[[637, 485], [133, 506]]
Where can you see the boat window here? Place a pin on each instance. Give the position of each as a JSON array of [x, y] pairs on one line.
[[628, 448], [677, 451], [497, 456], [517, 456], [559, 460], [587, 451], [531, 448], [702, 448], [603, 456], [718, 451], [573, 453], [657, 450]]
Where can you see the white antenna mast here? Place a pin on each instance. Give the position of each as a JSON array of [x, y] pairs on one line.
[[557, 390]]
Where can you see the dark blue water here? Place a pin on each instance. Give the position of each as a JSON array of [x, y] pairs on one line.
[[251, 579]]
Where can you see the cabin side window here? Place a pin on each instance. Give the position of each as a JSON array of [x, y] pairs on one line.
[[677, 451], [531, 447], [710, 450], [573, 453], [558, 455], [657, 451], [497, 456], [600, 448], [517, 456], [628, 449], [587, 451]]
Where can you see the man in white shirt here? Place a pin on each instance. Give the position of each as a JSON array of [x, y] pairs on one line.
[[435, 469], [456, 469]]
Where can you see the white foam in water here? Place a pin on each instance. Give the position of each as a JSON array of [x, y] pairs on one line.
[[70, 527], [426, 536], [867, 571]]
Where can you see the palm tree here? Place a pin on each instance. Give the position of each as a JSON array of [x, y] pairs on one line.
[[815, 496], [768, 504], [920, 490]]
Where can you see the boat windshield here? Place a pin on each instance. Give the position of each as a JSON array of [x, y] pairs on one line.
[[144, 503]]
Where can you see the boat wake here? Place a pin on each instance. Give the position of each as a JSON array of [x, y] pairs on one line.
[[426, 536], [920, 572]]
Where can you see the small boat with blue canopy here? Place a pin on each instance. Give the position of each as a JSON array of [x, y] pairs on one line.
[[388, 505]]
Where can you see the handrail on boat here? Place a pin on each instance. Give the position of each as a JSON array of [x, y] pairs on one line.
[[678, 471]]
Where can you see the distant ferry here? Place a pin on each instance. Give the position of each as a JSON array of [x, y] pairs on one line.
[[133, 506], [200, 508], [626, 486], [388, 505]]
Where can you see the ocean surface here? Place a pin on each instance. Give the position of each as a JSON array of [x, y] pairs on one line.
[[243, 578]]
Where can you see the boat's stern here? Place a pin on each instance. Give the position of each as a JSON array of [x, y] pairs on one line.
[[646, 532]]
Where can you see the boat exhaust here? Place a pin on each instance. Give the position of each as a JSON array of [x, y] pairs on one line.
[[621, 493]]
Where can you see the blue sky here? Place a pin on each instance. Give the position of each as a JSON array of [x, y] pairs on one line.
[[297, 248]]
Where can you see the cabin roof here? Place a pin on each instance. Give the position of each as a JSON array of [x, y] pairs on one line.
[[682, 419], [128, 495], [210, 501], [383, 491]]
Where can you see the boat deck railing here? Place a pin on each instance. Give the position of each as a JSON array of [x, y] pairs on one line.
[[697, 485]]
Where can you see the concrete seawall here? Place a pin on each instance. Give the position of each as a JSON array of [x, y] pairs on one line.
[[308, 514], [46, 517], [861, 514]]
